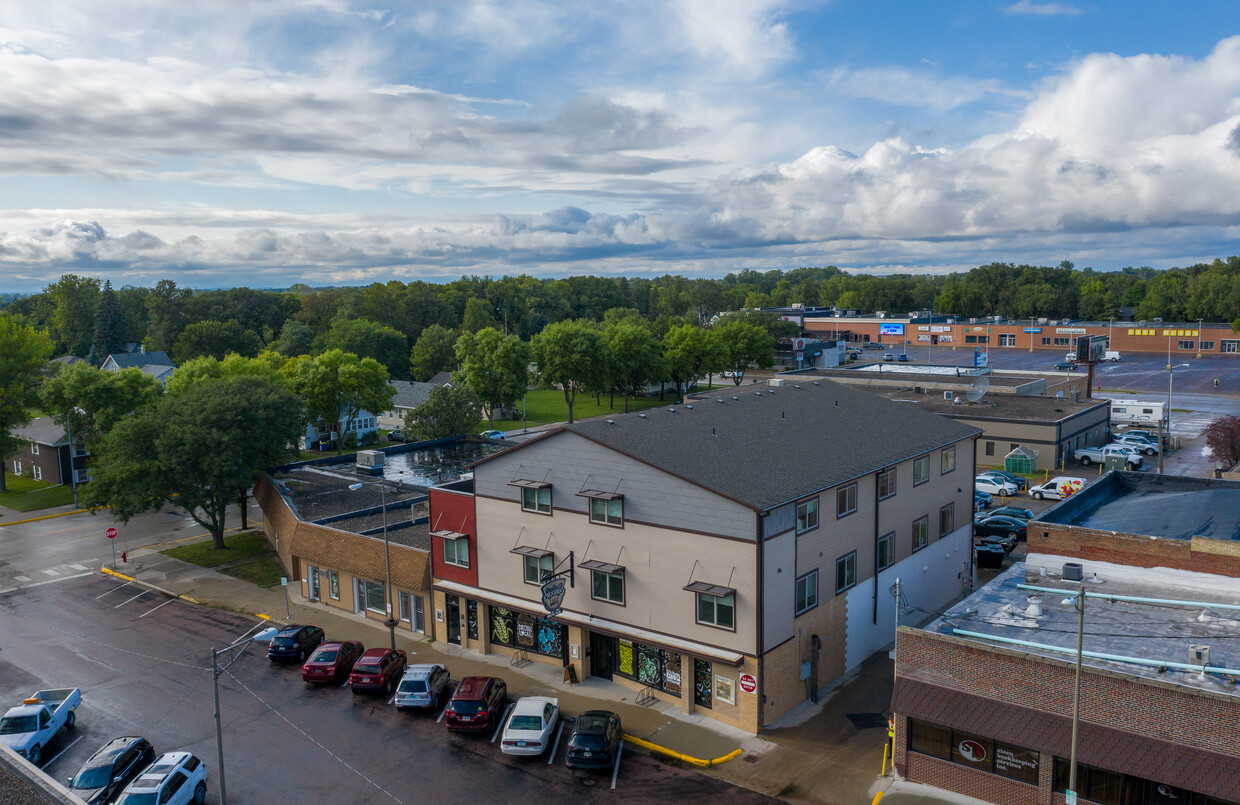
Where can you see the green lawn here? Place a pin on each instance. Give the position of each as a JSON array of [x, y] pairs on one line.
[[264, 571], [244, 545], [547, 405], [27, 495]]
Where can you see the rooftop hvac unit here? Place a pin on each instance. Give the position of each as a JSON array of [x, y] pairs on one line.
[[370, 461], [1073, 571], [1199, 655], [775, 382]]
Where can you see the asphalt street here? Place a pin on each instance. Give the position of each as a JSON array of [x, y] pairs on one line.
[[142, 659]]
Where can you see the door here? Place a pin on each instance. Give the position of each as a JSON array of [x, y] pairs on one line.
[[454, 619], [600, 655], [312, 574], [702, 682]]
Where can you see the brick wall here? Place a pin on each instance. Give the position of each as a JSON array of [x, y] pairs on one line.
[[1200, 555], [974, 783]]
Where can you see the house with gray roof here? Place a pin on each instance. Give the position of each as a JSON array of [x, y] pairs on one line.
[[157, 364], [733, 555], [46, 455], [409, 395]]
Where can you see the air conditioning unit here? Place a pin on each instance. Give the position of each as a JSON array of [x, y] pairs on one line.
[[370, 461], [775, 382], [1199, 655], [1073, 571], [947, 395]]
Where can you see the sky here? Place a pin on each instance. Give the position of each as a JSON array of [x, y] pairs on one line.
[[225, 143]]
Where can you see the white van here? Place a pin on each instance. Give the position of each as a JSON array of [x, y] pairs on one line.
[[1137, 412], [1057, 488], [1111, 356]]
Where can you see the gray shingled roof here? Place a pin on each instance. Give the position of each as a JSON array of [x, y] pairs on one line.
[[42, 430], [126, 360], [772, 445], [410, 393]]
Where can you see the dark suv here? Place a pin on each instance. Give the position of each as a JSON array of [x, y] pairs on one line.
[[477, 705], [595, 740], [109, 770], [295, 643], [378, 669]]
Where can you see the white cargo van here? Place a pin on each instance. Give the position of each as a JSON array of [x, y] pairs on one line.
[[1111, 356], [1137, 412], [1057, 488]]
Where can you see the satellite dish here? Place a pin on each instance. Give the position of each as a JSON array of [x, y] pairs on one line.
[[977, 389]]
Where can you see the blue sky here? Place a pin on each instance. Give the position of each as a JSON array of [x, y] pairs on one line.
[[329, 141]]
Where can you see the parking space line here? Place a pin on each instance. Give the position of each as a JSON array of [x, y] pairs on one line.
[[62, 751], [136, 597], [114, 589], [555, 747], [164, 604], [443, 712], [615, 768], [78, 567], [502, 721], [22, 579], [50, 572]]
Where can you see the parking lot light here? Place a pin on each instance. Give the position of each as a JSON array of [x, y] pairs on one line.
[[262, 637]]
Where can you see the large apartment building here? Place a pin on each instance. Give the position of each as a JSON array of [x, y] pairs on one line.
[[733, 555]]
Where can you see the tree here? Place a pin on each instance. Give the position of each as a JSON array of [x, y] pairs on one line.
[[368, 339], [23, 353], [434, 352], [448, 411], [1223, 439], [746, 345], [111, 332], [91, 402], [338, 385], [495, 366], [636, 359], [194, 449], [691, 353], [478, 316], [217, 339], [295, 339], [201, 370], [74, 302], [572, 355], [167, 307]]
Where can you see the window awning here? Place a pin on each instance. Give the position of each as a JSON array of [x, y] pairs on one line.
[[710, 589], [599, 494], [526, 483], [444, 533], [525, 550], [602, 567]]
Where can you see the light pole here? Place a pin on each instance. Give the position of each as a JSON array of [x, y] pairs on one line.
[[1170, 379], [1199, 325], [1110, 323], [391, 621], [1078, 603], [503, 310], [216, 670]]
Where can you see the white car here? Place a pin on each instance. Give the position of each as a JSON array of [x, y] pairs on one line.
[[994, 486], [175, 778], [530, 728], [494, 434], [1139, 443]]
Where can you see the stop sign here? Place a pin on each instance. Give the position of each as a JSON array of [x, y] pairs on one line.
[[111, 533]]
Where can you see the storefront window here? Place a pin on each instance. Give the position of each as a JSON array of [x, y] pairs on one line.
[[975, 751], [521, 631], [1111, 788], [649, 665]]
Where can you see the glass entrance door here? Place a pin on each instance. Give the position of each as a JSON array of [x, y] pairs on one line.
[[600, 655], [454, 619]]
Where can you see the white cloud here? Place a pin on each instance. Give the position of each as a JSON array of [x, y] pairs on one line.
[[1043, 9], [898, 85]]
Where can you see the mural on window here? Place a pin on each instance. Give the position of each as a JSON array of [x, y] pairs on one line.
[[526, 632], [471, 619], [702, 677], [649, 665]]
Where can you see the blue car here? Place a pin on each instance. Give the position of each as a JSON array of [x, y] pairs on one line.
[[294, 643], [981, 500]]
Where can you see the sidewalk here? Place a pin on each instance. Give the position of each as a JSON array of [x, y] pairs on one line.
[[828, 753]]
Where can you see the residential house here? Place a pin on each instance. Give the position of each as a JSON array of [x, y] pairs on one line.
[[409, 395], [321, 432], [157, 364], [46, 456]]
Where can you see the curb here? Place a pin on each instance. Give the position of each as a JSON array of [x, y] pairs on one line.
[[672, 753], [109, 572], [51, 516]]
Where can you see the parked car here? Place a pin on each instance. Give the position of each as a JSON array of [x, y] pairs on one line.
[[175, 778], [1065, 366], [999, 525], [1137, 442], [494, 434], [594, 741], [1004, 475], [332, 662], [871, 345], [531, 726], [1099, 455], [887, 356], [110, 769], [1057, 488], [294, 643], [423, 685], [477, 704], [1012, 511], [33, 724], [902, 357], [981, 501], [992, 486], [395, 436], [1003, 543], [378, 669]]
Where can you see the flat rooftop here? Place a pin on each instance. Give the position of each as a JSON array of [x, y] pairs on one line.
[[1017, 407], [913, 374], [1165, 506], [1154, 633], [322, 495]]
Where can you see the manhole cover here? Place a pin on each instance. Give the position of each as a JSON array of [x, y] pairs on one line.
[[867, 721], [752, 758]]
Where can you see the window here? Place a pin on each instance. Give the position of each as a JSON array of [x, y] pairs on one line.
[[312, 581], [975, 751], [536, 499], [807, 592], [725, 690], [845, 572], [1206, 346], [921, 533], [403, 598], [607, 512], [605, 586], [947, 463], [807, 516], [715, 610], [372, 596], [538, 568], [38, 472], [990, 448], [1063, 342], [921, 470], [886, 484], [333, 584], [1187, 345], [846, 500], [456, 552], [34, 449], [17, 467], [1046, 342], [886, 550], [947, 519]]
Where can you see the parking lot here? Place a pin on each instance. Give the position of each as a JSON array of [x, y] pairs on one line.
[[142, 663]]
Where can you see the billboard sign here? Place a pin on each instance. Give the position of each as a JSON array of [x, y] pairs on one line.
[[1091, 348], [891, 329], [979, 357]]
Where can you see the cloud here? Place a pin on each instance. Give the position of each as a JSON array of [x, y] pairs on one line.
[[897, 85], [1043, 9]]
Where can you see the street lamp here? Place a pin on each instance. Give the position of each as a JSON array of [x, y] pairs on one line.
[[504, 310], [1170, 379], [1078, 603], [72, 467], [1199, 324], [216, 670], [391, 621]]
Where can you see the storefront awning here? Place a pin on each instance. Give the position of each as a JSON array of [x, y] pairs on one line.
[[525, 550], [445, 533], [691, 647], [599, 494], [602, 567], [526, 483], [710, 589]]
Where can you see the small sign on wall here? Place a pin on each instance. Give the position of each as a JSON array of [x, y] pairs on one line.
[[725, 690], [572, 651], [439, 615]]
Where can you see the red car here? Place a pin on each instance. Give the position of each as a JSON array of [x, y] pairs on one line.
[[378, 669], [331, 662]]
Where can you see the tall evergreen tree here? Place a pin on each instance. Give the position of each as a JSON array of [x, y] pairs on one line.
[[111, 332]]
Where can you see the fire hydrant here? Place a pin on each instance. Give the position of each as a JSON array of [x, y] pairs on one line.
[[125, 556]]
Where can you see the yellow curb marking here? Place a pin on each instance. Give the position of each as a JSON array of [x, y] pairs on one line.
[[877, 797], [670, 753], [114, 573], [51, 516], [261, 615]]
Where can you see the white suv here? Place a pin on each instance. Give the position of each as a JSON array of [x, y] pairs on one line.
[[175, 778]]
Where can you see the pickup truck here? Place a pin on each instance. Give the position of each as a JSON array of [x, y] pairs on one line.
[[30, 726], [1099, 455]]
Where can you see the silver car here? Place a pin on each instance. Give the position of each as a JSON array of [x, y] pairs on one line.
[[423, 685]]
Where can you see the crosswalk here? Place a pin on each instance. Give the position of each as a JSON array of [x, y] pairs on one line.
[[11, 580]]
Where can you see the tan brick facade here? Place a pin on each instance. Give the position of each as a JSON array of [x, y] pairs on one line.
[[1201, 555]]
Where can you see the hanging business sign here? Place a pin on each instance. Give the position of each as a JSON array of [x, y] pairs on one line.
[[553, 590]]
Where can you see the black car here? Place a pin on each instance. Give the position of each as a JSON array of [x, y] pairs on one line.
[[595, 740], [997, 525], [106, 773], [295, 643], [1013, 511], [1066, 366]]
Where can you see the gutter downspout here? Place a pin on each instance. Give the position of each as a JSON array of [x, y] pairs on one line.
[[877, 531], [761, 692]]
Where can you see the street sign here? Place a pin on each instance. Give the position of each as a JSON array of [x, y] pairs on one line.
[[748, 683], [111, 533], [284, 581], [1069, 797]]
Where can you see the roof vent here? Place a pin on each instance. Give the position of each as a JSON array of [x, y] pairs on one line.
[[735, 397], [1034, 610], [712, 433], [815, 382], [1199, 655], [775, 381], [643, 416], [1073, 571], [797, 386], [721, 400], [837, 403], [611, 421], [671, 410], [757, 394]]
